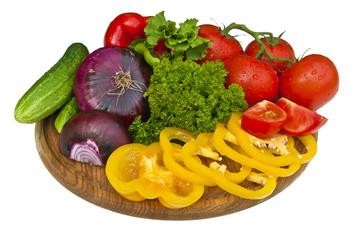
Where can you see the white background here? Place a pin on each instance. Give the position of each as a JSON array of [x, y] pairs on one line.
[[322, 203]]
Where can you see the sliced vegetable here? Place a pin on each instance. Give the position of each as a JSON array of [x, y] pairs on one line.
[[53, 89], [66, 113], [277, 143], [256, 159], [87, 152], [137, 171], [264, 119], [114, 79], [301, 121], [194, 148], [91, 136], [174, 164]]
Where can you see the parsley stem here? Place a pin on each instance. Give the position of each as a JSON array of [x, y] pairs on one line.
[[256, 36]]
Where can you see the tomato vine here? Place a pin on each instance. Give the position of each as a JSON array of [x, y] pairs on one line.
[[256, 36]]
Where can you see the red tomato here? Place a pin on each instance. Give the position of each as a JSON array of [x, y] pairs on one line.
[[301, 121], [311, 82], [258, 80], [278, 48], [223, 46], [124, 29], [264, 119]]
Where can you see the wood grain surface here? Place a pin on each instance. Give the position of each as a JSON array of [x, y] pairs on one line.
[[91, 184]]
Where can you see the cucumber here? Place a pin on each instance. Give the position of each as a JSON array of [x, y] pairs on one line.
[[66, 112], [53, 89]]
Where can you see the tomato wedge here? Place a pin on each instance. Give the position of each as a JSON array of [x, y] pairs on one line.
[[301, 121], [263, 119]]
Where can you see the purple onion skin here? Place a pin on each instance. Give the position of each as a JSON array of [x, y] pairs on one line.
[[95, 85], [102, 127]]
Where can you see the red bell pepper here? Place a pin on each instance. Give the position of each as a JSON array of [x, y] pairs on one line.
[[124, 29]]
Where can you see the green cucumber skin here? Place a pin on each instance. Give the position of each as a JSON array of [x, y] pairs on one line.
[[66, 112], [53, 89]]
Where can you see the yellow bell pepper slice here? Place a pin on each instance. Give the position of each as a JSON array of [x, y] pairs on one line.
[[196, 148], [205, 141], [171, 161], [310, 145], [137, 172], [223, 148]]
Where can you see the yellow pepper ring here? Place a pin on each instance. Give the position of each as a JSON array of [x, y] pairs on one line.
[[226, 184], [205, 139], [311, 146], [222, 147], [238, 177], [169, 154]]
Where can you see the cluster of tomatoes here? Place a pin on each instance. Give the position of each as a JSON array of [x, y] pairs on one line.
[[302, 86]]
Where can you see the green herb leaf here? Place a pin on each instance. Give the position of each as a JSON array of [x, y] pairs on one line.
[[184, 39]]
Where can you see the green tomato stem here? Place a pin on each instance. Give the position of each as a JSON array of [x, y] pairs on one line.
[[150, 59], [256, 36]]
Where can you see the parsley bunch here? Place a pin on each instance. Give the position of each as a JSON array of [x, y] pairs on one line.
[[187, 95]]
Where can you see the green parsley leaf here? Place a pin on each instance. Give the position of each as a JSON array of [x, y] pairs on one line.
[[187, 95]]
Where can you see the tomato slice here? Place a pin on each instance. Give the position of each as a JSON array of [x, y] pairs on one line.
[[263, 119], [301, 121]]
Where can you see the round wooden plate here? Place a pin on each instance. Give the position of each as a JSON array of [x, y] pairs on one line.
[[91, 184]]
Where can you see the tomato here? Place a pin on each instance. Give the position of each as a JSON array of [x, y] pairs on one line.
[[223, 46], [124, 29], [258, 80], [311, 82], [301, 121], [264, 119], [277, 47]]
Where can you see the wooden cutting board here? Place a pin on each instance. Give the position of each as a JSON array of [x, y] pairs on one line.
[[91, 184]]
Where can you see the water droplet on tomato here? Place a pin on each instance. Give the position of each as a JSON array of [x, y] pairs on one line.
[[314, 72], [255, 76], [320, 78]]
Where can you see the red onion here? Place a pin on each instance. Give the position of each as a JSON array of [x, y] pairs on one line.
[[91, 136], [114, 79]]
